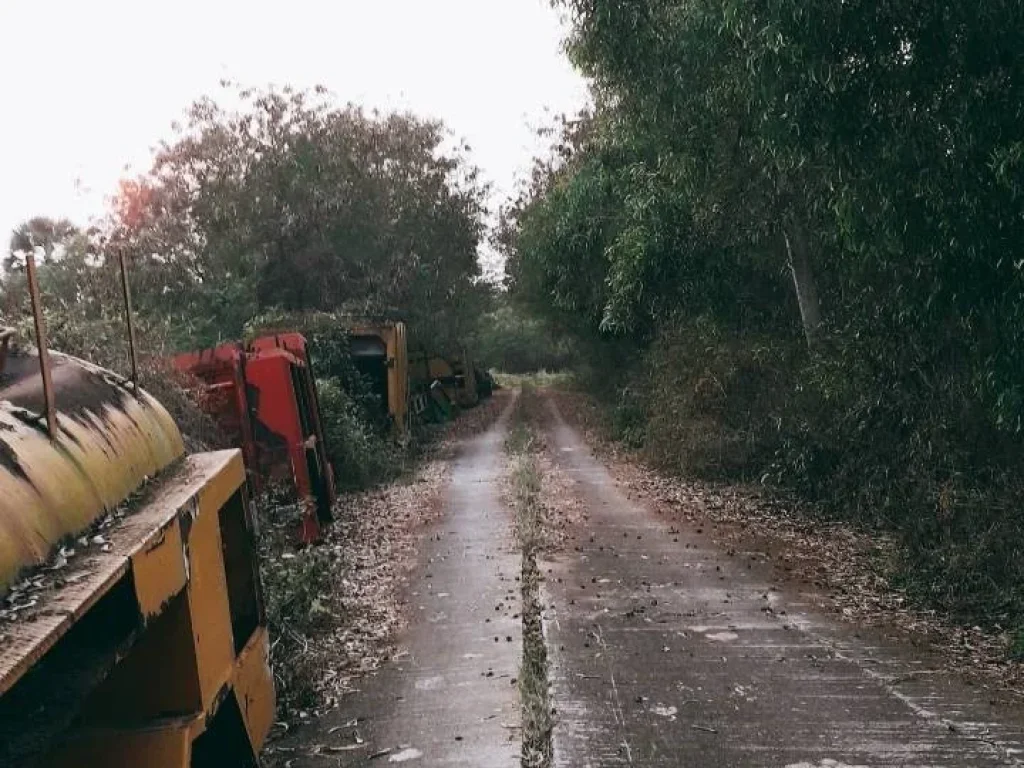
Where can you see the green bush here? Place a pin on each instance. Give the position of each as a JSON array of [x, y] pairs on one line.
[[361, 454], [1017, 645], [297, 585], [703, 403]]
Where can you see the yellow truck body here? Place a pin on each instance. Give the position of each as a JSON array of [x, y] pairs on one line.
[[132, 630], [381, 351]]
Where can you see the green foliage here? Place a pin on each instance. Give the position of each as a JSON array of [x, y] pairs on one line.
[[512, 340], [1017, 645], [297, 584], [283, 212], [289, 203], [46, 238], [84, 315], [362, 455], [850, 168], [283, 203], [294, 586]]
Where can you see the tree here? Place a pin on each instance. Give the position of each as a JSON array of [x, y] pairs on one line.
[[870, 156], [42, 236], [288, 203]]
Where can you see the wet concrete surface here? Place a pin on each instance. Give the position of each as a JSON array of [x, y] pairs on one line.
[[450, 697], [664, 651]]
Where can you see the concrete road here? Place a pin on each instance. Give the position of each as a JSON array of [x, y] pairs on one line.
[[450, 698], [666, 652]]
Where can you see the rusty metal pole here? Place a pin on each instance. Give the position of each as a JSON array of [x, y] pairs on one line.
[[127, 293], [44, 355]]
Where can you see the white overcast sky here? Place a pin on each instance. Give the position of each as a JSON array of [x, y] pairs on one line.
[[88, 87]]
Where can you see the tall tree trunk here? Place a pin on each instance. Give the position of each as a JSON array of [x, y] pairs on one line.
[[803, 281]]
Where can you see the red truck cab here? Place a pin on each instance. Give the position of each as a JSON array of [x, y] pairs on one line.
[[263, 396]]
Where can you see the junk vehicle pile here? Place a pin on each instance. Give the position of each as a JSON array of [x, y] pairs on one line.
[[132, 628], [263, 397], [262, 394]]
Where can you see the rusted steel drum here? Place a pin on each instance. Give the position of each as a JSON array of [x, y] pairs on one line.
[[110, 439]]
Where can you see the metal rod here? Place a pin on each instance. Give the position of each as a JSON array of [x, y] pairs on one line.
[[44, 354], [127, 292]]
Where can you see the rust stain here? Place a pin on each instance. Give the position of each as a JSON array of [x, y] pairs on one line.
[[9, 458]]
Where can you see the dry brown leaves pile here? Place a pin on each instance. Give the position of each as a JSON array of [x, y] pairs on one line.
[[373, 541], [851, 570], [563, 509]]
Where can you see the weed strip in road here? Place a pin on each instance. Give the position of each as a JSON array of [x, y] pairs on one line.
[[525, 485]]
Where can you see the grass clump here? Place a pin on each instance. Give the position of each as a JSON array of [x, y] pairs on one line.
[[362, 454], [298, 584], [525, 478], [540, 378]]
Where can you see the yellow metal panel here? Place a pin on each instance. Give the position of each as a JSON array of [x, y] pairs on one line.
[[166, 745], [159, 569], [254, 687], [95, 572], [222, 486], [398, 375], [183, 661], [439, 368], [208, 588], [395, 340]]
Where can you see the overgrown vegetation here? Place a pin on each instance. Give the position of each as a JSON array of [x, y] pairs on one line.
[[281, 213], [284, 202], [284, 212], [298, 587], [525, 480], [356, 427], [1017, 646], [787, 242]]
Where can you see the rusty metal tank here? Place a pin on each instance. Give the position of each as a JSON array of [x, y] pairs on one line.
[[110, 439]]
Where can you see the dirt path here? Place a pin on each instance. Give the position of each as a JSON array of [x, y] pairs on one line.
[[449, 698], [666, 650]]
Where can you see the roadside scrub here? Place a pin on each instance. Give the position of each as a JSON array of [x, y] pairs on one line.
[[915, 459], [853, 568], [525, 486]]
